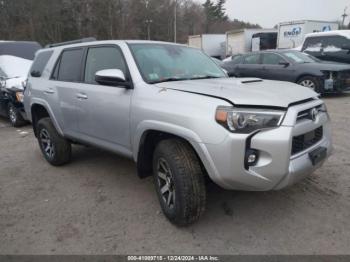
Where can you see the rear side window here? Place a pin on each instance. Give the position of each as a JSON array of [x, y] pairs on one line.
[[70, 65], [101, 58], [313, 44], [252, 59], [40, 63]]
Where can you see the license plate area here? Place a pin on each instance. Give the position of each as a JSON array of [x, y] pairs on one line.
[[318, 155]]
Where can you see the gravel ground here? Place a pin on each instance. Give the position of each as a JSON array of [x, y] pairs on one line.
[[97, 205]]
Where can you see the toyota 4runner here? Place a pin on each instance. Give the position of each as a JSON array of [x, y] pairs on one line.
[[173, 111]]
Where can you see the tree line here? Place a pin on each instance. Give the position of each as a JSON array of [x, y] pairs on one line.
[[50, 21]]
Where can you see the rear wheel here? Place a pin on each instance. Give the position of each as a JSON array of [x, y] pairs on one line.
[[310, 82], [15, 116], [56, 149], [179, 182]]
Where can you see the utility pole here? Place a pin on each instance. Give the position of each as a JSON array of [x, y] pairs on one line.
[[175, 22], [148, 23], [345, 15]]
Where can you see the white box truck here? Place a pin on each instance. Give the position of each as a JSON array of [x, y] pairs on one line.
[[292, 34], [240, 41], [212, 44]]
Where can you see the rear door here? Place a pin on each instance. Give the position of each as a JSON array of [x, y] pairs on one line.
[[103, 114], [62, 90], [251, 66]]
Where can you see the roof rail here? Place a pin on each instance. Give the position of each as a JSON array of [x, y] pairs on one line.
[[83, 40]]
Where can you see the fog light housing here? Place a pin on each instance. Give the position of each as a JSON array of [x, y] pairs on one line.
[[251, 158]]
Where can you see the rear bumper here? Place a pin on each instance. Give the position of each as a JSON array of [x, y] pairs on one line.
[[276, 167]]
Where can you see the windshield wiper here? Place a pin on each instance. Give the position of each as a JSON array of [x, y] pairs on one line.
[[204, 77], [169, 79]]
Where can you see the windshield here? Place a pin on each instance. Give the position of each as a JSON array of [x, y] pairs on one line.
[[299, 57], [165, 62]]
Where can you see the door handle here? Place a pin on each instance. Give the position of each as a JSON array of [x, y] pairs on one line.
[[49, 91], [82, 96]]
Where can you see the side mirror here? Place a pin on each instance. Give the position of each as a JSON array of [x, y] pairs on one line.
[[284, 63], [111, 77], [35, 73]]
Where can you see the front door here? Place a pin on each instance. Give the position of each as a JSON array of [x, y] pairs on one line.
[[104, 111]]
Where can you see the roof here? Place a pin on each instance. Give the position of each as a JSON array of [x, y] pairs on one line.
[[106, 42], [345, 33], [305, 21], [257, 30], [21, 49]]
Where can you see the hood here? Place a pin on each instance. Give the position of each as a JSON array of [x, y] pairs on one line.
[[15, 66], [15, 83], [246, 91], [327, 66]]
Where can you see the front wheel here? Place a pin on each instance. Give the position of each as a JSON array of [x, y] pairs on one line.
[[179, 182], [15, 116], [310, 82]]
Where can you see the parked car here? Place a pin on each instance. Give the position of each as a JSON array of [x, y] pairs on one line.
[[292, 66], [329, 46], [15, 61], [173, 111]]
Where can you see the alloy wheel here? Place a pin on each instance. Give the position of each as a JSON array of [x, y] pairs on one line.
[[166, 183], [46, 143], [12, 115], [308, 83]]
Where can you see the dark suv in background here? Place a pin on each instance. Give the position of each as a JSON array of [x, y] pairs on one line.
[[329, 46]]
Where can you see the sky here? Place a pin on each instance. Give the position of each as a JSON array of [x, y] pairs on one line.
[[268, 13]]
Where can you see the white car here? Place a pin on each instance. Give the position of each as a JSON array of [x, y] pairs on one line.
[[15, 61]]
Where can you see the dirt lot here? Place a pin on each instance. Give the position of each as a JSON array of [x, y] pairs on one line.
[[97, 205]]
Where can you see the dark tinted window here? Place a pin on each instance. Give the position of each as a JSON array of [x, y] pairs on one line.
[[335, 43], [70, 65], [101, 58], [40, 63], [236, 59], [252, 59], [313, 44], [272, 59]]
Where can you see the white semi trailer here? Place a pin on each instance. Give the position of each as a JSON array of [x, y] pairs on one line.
[[292, 34], [241, 41], [212, 44]]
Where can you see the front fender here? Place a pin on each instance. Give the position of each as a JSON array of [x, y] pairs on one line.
[[148, 125]]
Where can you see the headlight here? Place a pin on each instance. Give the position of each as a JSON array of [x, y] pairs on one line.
[[19, 96], [246, 121]]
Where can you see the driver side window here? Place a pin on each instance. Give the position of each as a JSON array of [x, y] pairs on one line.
[[272, 59], [101, 58]]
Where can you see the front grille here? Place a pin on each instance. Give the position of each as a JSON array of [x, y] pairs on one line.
[[306, 114], [305, 141]]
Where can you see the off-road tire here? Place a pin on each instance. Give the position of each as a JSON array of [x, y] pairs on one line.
[[61, 147], [188, 181], [15, 116]]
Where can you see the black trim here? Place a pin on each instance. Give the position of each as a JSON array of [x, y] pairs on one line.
[[83, 63]]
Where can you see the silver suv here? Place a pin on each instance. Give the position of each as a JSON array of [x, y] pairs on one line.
[[173, 111]]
